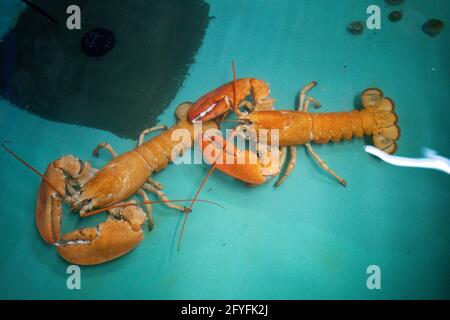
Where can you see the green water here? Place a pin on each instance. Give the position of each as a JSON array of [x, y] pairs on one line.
[[310, 238]]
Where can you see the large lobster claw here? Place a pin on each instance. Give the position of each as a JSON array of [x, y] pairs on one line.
[[110, 240], [220, 100], [246, 165], [53, 190]]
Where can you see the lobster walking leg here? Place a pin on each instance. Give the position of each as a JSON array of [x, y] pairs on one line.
[[303, 98], [156, 184], [146, 131], [304, 107], [148, 207], [324, 165], [107, 146], [290, 166], [303, 103], [308, 101], [163, 197]]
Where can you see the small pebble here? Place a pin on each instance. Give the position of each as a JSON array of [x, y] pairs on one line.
[[394, 2], [395, 16], [433, 27], [356, 27]]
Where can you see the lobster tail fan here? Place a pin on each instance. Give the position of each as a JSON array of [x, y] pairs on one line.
[[370, 96], [385, 143], [387, 131]]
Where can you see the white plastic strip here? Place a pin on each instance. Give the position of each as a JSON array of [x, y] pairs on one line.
[[431, 161]]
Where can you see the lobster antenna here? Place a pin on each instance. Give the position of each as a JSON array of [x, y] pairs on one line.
[[201, 187], [234, 120], [123, 205], [29, 166], [235, 107], [93, 212], [213, 165]]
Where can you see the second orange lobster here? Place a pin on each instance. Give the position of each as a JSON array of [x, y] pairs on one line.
[[377, 119]]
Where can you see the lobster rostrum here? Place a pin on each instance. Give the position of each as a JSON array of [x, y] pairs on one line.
[[295, 127], [71, 180]]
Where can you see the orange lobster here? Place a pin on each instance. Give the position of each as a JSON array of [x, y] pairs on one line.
[[377, 119], [72, 180]]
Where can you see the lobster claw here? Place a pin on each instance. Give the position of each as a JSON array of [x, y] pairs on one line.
[[110, 240], [220, 100], [52, 191], [254, 168], [211, 105]]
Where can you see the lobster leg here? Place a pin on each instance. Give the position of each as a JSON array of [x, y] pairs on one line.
[[146, 131], [107, 146], [303, 103], [290, 166], [302, 106], [163, 197], [155, 183], [148, 207], [324, 165]]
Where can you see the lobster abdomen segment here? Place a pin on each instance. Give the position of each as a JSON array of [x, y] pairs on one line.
[[376, 119], [297, 127], [336, 126]]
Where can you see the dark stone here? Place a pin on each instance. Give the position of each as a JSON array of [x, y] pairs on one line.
[[98, 42], [395, 16], [433, 27], [356, 27], [44, 71]]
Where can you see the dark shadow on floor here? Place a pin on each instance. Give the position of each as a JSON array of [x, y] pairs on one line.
[[44, 70]]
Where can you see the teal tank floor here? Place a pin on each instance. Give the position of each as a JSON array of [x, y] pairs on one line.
[[311, 238]]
